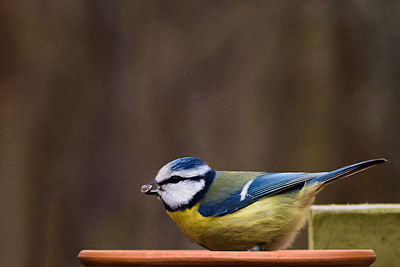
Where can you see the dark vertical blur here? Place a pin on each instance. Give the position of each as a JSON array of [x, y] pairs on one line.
[[95, 96]]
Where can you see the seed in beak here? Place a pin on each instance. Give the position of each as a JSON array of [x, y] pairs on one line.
[[145, 188], [151, 188]]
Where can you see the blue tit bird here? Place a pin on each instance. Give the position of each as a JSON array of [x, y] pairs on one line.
[[238, 210]]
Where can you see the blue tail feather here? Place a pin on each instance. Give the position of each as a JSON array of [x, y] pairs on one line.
[[346, 171]]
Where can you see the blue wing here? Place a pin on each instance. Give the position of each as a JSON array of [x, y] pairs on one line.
[[268, 184]]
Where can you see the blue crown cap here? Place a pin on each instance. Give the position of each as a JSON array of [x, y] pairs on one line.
[[186, 163]]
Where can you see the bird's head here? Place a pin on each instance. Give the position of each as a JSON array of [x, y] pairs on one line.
[[181, 183]]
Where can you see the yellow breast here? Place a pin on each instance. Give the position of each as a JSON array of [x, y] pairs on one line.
[[272, 222]]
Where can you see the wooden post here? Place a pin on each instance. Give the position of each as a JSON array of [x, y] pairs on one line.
[[367, 226]]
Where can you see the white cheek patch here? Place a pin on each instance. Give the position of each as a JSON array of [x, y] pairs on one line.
[[179, 194]]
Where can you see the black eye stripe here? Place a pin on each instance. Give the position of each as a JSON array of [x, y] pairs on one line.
[[176, 179], [172, 180]]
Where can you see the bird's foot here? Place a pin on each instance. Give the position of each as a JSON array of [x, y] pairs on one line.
[[257, 248]]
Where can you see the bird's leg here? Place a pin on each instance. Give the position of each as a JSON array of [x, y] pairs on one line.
[[257, 248]]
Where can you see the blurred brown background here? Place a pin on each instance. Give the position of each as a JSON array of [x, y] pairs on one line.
[[95, 96]]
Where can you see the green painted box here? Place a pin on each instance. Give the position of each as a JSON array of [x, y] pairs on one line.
[[366, 226]]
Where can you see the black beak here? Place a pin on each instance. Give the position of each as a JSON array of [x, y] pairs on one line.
[[151, 188]]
